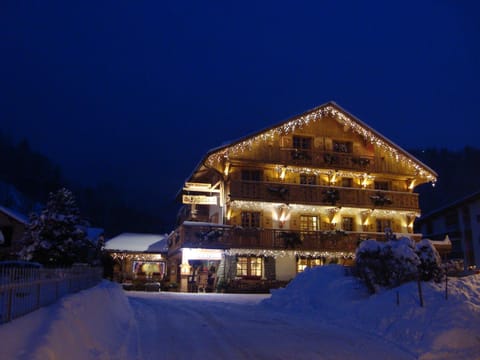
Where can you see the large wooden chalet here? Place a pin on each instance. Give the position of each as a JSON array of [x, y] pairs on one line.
[[301, 193]]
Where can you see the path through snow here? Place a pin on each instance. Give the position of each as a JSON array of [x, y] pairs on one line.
[[225, 326]]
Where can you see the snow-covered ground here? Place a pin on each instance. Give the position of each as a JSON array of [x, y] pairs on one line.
[[322, 314]]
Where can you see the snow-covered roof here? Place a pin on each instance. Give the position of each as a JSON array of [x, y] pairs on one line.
[[138, 243], [466, 199], [14, 215]]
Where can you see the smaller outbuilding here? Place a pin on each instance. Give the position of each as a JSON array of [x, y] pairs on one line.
[[140, 260], [12, 228]]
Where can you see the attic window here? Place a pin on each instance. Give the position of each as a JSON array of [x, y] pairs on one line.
[[302, 142]]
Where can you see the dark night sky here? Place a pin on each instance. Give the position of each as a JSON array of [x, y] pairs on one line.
[[137, 92]]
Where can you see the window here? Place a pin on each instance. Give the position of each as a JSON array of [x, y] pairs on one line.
[[251, 219], [302, 142], [342, 146], [251, 175], [347, 223], [347, 182], [382, 185], [308, 223], [308, 179], [249, 266], [383, 224], [6, 236], [303, 263]]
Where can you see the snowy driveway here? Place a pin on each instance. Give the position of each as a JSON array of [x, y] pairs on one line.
[[228, 326]]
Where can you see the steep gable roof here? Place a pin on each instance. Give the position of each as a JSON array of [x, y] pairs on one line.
[[328, 109], [14, 215]]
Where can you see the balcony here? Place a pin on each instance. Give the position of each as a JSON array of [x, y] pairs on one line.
[[322, 195], [224, 237]]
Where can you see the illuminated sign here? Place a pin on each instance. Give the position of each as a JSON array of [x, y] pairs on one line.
[[199, 199], [201, 254]]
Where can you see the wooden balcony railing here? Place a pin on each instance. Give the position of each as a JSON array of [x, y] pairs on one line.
[[322, 195], [222, 237], [328, 159]]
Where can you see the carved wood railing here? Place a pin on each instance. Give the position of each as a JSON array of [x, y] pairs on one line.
[[224, 237], [322, 195]]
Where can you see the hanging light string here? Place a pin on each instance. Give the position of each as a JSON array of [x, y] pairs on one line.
[[316, 115], [291, 253]]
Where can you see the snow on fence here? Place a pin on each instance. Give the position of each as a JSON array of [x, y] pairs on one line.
[[26, 290]]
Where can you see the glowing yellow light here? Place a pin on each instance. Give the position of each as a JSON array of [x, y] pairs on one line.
[[412, 184], [185, 269]]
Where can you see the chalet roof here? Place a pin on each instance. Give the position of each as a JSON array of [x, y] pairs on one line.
[[14, 215], [133, 242], [343, 117]]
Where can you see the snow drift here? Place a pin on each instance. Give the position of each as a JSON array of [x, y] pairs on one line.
[[446, 327]]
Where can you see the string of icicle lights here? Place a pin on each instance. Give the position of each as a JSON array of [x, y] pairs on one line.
[[298, 123], [290, 253]]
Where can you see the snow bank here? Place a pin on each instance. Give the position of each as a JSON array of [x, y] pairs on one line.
[[441, 329], [97, 323]]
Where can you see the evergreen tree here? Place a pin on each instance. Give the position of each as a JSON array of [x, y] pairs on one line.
[[57, 236]]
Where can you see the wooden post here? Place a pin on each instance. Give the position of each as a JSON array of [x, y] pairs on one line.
[[446, 285], [9, 304], [420, 294]]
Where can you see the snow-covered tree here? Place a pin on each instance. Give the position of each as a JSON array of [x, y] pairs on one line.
[[430, 267], [391, 263], [57, 236]]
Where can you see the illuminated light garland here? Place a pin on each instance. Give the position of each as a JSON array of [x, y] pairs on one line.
[[329, 172], [302, 208], [290, 253], [137, 256], [291, 126]]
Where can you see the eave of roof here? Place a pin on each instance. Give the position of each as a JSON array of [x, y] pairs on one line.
[[367, 128], [14, 215]]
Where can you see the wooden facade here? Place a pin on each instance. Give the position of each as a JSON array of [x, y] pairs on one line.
[[309, 188]]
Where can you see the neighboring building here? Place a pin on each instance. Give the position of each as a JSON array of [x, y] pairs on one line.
[[12, 228], [298, 194], [138, 256], [460, 221]]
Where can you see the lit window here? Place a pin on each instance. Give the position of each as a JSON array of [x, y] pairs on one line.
[[249, 266], [242, 266], [304, 263], [308, 223]]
